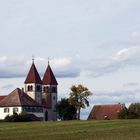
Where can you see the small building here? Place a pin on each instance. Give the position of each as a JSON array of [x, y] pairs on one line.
[[102, 112]]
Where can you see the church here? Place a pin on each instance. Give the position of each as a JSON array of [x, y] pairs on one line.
[[38, 97]]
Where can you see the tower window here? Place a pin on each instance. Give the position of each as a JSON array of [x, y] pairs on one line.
[[38, 88], [46, 89], [54, 89], [53, 97], [30, 88]]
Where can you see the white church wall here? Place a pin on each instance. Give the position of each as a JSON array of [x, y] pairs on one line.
[[11, 110], [30, 93], [34, 94]]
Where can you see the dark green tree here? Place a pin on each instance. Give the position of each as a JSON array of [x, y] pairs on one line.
[[123, 114], [79, 98], [134, 111], [65, 110]]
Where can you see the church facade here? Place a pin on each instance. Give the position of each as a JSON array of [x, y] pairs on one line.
[[38, 97]]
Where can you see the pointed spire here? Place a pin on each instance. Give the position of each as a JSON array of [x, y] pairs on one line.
[[49, 78], [33, 58], [48, 61], [33, 75]]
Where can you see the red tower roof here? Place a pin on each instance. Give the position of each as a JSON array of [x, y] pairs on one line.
[[49, 78], [33, 76]]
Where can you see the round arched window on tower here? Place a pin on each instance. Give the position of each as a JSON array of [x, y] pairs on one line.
[[54, 89], [38, 88]]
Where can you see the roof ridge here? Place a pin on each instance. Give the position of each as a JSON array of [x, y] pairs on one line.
[[109, 104]]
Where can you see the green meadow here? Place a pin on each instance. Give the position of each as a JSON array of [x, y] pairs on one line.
[[71, 130]]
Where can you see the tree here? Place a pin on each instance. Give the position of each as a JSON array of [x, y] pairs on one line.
[[133, 112], [79, 98], [65, 110], [123, 114]]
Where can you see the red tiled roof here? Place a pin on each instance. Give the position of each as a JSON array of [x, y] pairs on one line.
[[18, 98], [33, 76], [2, 97], [101, 112], [49, 78]]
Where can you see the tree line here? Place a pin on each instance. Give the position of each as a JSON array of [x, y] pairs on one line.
[[70, 108]]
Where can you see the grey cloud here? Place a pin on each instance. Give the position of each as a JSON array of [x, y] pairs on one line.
[[130, 84], [67, 74], [9, 74], [13, 67]]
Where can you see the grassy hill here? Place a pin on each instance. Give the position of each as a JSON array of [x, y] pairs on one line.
[[72, 130]]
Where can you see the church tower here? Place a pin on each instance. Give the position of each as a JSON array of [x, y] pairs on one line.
[[33, 84], [49, 93]]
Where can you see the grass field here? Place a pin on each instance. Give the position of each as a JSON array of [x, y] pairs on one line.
[[71, 130]]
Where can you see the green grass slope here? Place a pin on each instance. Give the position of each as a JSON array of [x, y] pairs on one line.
[[72, 130]]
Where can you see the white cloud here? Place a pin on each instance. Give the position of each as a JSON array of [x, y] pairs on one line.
[[135, 34], [13, 67], [61, 62], [118, 96], [127, 53], [72, 66], [124, 58]]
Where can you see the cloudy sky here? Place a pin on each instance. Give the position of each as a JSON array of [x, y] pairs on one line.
[[92, 42]]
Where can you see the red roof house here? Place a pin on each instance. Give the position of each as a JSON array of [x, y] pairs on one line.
[[102, 112]]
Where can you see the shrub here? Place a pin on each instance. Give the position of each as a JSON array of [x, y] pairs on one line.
[[22, 117]]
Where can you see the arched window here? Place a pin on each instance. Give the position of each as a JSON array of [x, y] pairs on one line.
[[46, 89], [38, 88], [54, 89], [30, 88]]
